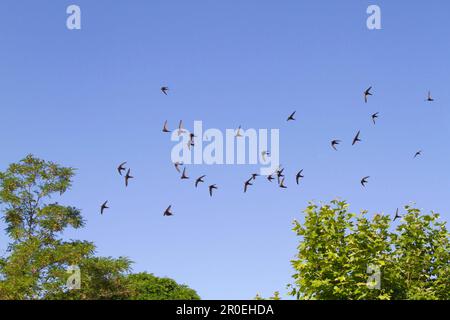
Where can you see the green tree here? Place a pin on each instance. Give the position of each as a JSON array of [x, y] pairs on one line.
[[101, 279], [37, 260], [145, 286], [340, 254]]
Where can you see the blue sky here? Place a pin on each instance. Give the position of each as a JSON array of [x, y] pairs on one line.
[[90, 99]]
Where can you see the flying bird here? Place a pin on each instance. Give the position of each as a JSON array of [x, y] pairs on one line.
[[164, 90], [429, 98], [191, 138], [121, 167], [184, 176], [247, 184], [291, 117], [375, 117], [356, 139], [364, 181], [165, 128], [334, 143], [367, 93], [254, 175], [238, 132], [418, 153], [270, 178], [168, 212], [180, 128], [280, 174], [128, 177], [103, 207], [397, 216], [299, 176], [177, 166], [211, 188], [191, 141], [282, 184], [200, 179]]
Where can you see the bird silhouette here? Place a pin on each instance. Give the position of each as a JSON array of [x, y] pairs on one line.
[[280, 174], [429, 98], [270, 178], [165, 128], [364, 181], [356, 139], [418, 153], [247, 184], [334, 143], [103, 207], [282, 184], [211, 188], [128, 177], [299, 176], [397, 216], [168, 212], [191, 141], [375, 117], [254, 175], [121, 167], [191, 137], [177, 166], [367, 93], [200, 179], [180, 128], [184, 176], [164, 90], [238, 132], [291, 117]]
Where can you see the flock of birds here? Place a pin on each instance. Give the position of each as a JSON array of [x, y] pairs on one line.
[[278, 174]]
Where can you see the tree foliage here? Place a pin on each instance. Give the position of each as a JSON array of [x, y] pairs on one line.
[[145, 286], [340, 250]]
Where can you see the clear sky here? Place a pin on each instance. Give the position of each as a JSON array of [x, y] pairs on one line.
[[90, 99]]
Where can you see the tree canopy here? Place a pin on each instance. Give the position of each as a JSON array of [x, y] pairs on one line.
[[145, 286], [343, 255]]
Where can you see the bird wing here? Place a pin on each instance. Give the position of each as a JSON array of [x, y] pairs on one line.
[[165, 126], [356, 138], [292, 115]]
